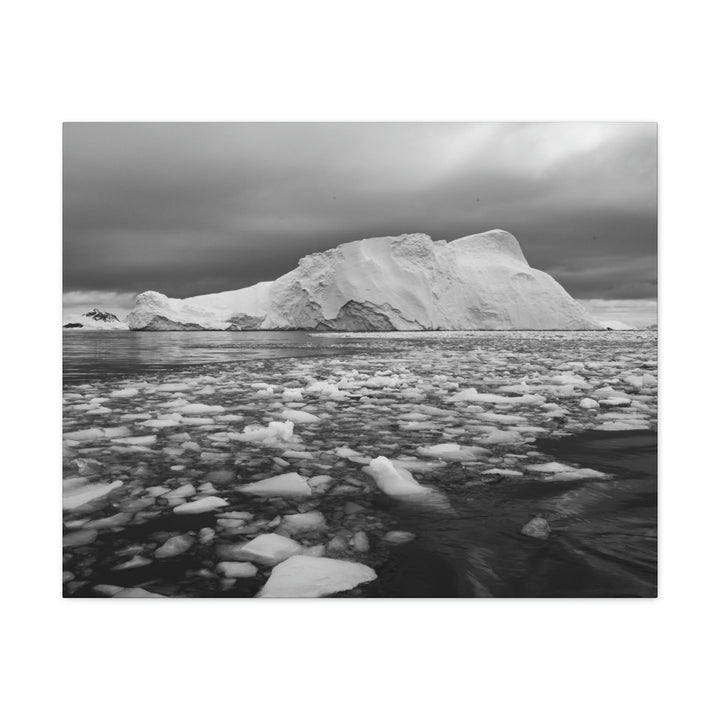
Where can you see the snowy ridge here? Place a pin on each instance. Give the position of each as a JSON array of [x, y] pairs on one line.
[[409, 282]]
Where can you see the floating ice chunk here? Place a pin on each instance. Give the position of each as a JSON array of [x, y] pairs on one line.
[[292, 395], [550, 467], [579, 474], [197, 421], [268, 549], [88, 466], [136, 592], [305, 576], [569, 379], [175, 546], [618, 426], [143, 440], [156, 490], [276, 432], [117, 520], [538, 528], [418, 465], [502, 471], [130, 449], [502, 419], [200, 409], [498, 437], [607, 391], [78, 496], [134, 562], [79, 538], [299, 454], [395, 481], [398, 537], [468, 395], [124, 393], [361, 542], [427, 425], [182, 492], [299, 416], [472, 395], [231, 569], [322, 387], [173, 387], [453, 452], [286, 485], [346, 452], [203, 505], [300, 523], [412, 416], [99, 411], [320, 483], [615, 401], [589, 404]]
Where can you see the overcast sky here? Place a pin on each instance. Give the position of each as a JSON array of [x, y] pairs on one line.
[[191, 208]]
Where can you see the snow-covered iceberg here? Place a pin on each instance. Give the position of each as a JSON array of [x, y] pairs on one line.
[[409, 282]]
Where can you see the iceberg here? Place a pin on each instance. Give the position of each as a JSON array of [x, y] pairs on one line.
[[408, 282]]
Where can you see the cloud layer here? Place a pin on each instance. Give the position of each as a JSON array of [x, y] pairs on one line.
[[195, 208]]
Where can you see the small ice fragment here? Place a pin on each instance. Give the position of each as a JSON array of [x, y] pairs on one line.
[[398, 537], [136, 592], [134, 562], [143, 440], [175, 546], [550, 467], [300, 523], [206, 504], [267, 549], [394, 480], [538, 528], [286, 485], [292, 395], [231, 569], [200, 409], [77, 496], [299, 416], [79, 537], [124, 393], [361, 541]]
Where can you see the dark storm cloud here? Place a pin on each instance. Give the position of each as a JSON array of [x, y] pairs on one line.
[[195, 208]]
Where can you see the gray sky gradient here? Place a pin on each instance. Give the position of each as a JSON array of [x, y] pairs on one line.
[[191, 208]]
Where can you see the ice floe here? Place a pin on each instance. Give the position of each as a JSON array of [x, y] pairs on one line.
[[304, 576], [286, 485]]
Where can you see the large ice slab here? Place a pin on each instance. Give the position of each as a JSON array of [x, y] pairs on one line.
[[305, 576]]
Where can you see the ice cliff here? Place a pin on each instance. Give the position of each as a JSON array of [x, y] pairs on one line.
[[409, 282]]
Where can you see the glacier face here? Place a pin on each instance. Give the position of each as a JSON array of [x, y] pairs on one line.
[[409, 282]]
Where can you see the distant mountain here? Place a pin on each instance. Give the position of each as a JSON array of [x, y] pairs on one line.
[[409, 282], [614, 324], [94, 320]]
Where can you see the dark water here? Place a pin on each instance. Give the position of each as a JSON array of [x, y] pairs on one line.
[[90, 355], [603, 541]]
